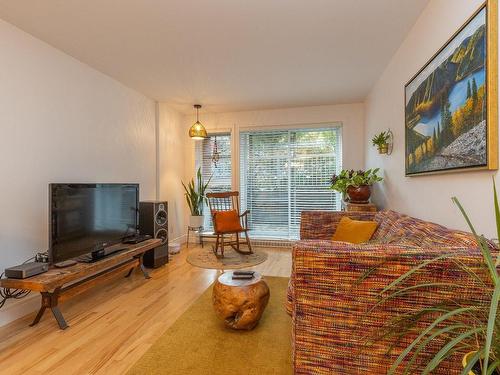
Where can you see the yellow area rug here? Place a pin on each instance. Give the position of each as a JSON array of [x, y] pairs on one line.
[[199, 343]]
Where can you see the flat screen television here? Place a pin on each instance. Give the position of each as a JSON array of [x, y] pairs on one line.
[[86, 218]]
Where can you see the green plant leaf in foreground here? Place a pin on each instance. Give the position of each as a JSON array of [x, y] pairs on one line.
[[482, 244], [491, 323], [447, 348], [409, 348], [413, 270], [497, 216], [472, 361]]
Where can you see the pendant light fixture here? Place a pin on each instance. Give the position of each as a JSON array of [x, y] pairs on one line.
[[197, 131]]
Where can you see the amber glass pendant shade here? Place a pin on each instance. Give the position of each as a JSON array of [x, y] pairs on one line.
[[197, 131]]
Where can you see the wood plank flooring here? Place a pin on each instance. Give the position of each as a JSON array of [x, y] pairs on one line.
[[111, 327]]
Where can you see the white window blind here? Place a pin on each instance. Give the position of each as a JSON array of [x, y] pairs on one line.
[[285, 172], [219, 173]]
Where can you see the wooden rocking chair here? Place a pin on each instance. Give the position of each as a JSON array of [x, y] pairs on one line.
[[227, 220]]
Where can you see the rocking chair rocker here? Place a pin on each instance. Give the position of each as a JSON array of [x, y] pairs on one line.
[[227, 220]]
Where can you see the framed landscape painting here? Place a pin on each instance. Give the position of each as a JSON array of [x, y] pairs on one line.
[[451, 103]]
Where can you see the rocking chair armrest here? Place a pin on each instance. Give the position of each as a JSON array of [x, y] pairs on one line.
[[244, 218]]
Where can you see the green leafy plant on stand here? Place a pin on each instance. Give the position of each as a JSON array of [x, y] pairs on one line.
[[195, 194], [473, 327], [347, 178]]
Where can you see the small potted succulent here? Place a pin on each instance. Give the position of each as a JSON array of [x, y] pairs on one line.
[[195, 198], [356, 185], [382, 142]]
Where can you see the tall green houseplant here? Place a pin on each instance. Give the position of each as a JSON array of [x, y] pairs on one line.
[[195, 194]]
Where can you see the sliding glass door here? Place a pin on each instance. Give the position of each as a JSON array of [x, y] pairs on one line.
[[284, 172]]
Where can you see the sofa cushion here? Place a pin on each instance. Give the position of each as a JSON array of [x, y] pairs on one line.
[[354, 231]]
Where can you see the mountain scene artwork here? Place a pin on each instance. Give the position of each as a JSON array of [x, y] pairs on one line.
[[445, 113]]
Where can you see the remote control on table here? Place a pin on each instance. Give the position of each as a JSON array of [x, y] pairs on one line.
[[243, 272], [242, 277], [65, 263]]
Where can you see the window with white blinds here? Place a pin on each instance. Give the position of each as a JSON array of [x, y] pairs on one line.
[[285, 172], [220, 172]]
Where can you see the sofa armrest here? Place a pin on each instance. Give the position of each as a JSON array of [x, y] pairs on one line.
[[332, 303], [321, 225]]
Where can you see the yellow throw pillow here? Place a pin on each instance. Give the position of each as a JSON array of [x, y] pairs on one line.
[[354, 231]]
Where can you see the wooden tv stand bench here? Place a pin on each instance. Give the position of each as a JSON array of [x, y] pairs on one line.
[[59, 284]]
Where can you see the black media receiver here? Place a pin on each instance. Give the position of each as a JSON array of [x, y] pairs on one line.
[[88, 218]]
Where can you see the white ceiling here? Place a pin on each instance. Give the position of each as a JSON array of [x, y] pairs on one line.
[[227, 54]]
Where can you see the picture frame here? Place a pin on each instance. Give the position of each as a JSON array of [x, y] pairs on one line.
[[451, 115]]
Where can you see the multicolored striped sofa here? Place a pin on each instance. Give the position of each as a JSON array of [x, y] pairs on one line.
[[330, 302]]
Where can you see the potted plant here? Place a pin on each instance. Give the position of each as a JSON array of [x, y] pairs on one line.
[[355, 184], [381, 141], [195, 198], [472, 326]]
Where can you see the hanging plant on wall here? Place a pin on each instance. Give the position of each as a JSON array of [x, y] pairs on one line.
[[381, 141]]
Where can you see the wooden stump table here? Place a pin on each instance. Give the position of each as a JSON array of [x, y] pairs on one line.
[[240, 303]]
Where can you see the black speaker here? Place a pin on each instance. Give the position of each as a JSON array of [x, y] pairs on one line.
[[153, 220]]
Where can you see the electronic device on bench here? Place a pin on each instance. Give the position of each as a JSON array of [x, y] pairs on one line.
[[153, 221], [90, 221], [137, 239], [26, 270]]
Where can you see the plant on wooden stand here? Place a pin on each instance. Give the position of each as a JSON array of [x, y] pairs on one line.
[[355, 184], [455, 326], [195, 198]]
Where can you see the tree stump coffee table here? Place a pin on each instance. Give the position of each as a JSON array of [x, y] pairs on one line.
[[240, 303]]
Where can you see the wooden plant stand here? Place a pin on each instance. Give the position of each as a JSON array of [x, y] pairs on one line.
[[59, 284], [355, 207]]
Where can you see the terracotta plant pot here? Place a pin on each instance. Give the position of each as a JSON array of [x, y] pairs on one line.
[[359, 194]]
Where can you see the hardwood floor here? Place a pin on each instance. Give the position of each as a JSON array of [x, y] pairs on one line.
[[110, 328]]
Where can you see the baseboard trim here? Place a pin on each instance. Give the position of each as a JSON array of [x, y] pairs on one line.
[[180, 240], [257, 242]]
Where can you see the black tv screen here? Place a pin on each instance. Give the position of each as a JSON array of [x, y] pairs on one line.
[[88, 217]]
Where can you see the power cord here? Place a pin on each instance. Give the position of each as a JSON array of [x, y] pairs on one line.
[[8, 293]]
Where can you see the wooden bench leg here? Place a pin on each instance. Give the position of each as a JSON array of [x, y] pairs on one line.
[[141, 266], [38, 316], [59, 317], [129, 273], [51, 300], [145, 271]]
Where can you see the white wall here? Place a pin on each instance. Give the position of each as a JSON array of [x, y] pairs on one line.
[[427, 197], [351, 116], [172, 153], [61, 121]]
